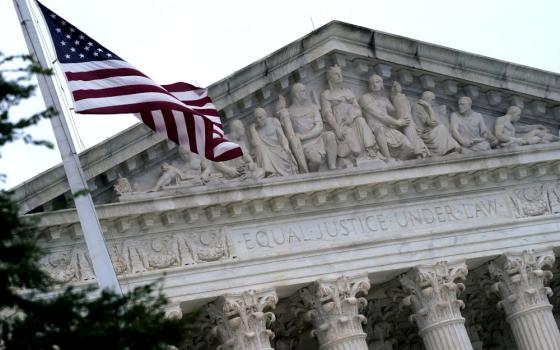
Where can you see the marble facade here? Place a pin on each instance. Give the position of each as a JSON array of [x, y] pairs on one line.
[[393, 195]]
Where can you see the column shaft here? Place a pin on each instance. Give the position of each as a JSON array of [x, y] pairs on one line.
[[354, 342], [453, 335], [535, 329]]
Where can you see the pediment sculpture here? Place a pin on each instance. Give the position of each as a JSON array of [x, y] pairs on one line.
[[306, 134]]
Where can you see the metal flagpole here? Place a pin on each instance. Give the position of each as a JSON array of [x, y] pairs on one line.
[[102, 266]]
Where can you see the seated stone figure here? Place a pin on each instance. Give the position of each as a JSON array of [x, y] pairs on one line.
[[469, 129], [304, 118], [379, 112], [403, 111], [431, 127], [272, 151], [343, 116], [510, 134]]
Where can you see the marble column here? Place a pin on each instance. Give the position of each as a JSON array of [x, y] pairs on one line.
[[242, 320], [333, 306], [432, 294], [524, 298]]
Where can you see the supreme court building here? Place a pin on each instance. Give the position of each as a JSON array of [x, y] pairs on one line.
[[393, 195]]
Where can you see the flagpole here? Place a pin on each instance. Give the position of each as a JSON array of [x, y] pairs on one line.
[[102, 265]]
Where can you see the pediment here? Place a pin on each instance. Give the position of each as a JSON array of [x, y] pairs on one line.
[[137, 154]]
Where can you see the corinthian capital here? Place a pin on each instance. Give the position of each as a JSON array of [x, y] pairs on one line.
[[333, 306], [520, 279], [433, 292], [242, 319]]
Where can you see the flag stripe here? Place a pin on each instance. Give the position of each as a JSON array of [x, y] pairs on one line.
[[116, 91], [170, 125], [188, 95], [110, 83], [159, 122], [90, 103], [181, 87], [94, 65], [103, 74], [181, 128], [192, 135], [132, 108], [147, 119]]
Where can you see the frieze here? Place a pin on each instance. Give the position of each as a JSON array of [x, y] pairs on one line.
[[176, 249], [343, 122], [133, 255]]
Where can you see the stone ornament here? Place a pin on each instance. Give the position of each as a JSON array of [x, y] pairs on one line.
[[132, 256], [173, 176], [510, 134], [403, 111], [333, 307], [469, 129], [314, 145], [531, 201], [433, 292], [431, 127], [521, 279], [270, 145], [123, 186], [380, 115], [521, 284], [341, 131], [242, 320], [343, 116]]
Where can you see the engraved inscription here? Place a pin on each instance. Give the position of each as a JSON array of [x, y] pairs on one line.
[[372, 224]]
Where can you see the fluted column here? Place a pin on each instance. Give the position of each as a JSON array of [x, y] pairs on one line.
[[241, 320], [333, 307], [437, 311], [521, 286]]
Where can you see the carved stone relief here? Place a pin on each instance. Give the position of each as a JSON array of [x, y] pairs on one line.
[[510, 134], [139, 255], [301, 135]]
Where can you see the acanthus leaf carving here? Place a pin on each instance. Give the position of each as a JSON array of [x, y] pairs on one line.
[[242, 320]]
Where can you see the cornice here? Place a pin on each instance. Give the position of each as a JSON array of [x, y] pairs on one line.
[[305, 194]]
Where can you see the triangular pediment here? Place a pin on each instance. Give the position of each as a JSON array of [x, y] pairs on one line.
[[132, 160]]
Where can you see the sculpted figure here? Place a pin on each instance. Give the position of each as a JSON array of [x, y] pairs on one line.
[[239, 168], [304, 118], [510, 134], [60, 268], [170, 175], [122, 186], [272, 151], [469, 129], [403, 111], [343, 116], [378, 111], [430, 126]]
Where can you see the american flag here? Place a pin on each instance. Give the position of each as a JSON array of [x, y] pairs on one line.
[[103, 83]]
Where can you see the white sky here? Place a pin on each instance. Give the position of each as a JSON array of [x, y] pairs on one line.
[[204, 41]]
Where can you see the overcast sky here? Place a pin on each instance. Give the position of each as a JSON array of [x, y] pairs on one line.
[[204, 41]]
